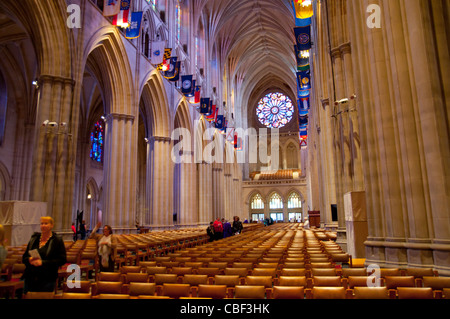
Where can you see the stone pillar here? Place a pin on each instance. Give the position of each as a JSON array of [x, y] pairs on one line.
[[119, 172], [52, 149]]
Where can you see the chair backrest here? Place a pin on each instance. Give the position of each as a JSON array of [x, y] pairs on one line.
[[264, 272], [152, 270], [136, 277], [436, 283], [265, 281], [293, 272], [328, 293], [323, 271], [288, 292], [195, 280], [212, 291], [176, 290], [238, 264], [267, 265], [113, 296], [76, 295], [389, 272], [39, 295], [109, 276], [228, 280], [321, 265], [165, 278], [291, 264], [340, 257], [419, 272], [360, 271], [141, 288], [414, 293], [210, 271], [242, 272], [181, 270], [82, 286], [249, 292], [130, 269], [327, 281], [370, 293], [108, 287], [357, 281], [392, 282], [292, 281]]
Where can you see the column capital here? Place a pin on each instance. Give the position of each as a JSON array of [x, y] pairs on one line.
[[118, 116]]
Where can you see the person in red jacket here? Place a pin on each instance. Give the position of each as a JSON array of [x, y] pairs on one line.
[[218, 229]]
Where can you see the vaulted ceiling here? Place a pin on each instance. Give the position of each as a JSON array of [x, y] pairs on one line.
[[254, 40]]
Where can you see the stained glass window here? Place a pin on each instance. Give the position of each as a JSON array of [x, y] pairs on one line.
[[178, 20], [275, 110], [97, 141]]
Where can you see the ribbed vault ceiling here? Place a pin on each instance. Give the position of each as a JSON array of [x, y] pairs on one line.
[[254, 40]]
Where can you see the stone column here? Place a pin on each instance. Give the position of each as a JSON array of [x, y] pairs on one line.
[[160, 190], [119, 172], [52, 148]]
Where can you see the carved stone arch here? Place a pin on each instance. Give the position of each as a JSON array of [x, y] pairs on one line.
[[108, 53], [153, 95]]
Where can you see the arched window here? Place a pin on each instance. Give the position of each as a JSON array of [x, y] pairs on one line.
[[275, 110], [294, 207], [257, 202], [257, 208], [97, 141], [275, 201]]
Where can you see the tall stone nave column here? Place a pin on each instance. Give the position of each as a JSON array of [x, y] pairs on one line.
[[403, 130], [53, 149], [160, 183], [120, 169], [205, 190]]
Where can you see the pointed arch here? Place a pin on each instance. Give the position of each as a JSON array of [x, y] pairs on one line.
[[156, 109]]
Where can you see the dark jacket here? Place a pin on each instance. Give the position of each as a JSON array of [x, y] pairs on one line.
[[53, 255]]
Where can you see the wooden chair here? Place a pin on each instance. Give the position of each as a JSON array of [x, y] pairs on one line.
[[210, 272], [328, 293], [414, 293], [106, 287], [292, 272], [109, 276], [39, 295], [326, 281], [323, 272], [83, 286], [76, 295], [370, 293], [249, 292], [136, 289], [212, 291], [438, 284], [152, 271], [113, 296], [194, 281], [176, 290], [136, 277], [231, 281], [355, 281], [419, 273], [292, 281], [288, 292], [161, 279], [266, 281], [130, 269], [393, 282]]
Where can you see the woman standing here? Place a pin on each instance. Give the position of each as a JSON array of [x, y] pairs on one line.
[[45, 253], [106, 246]]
